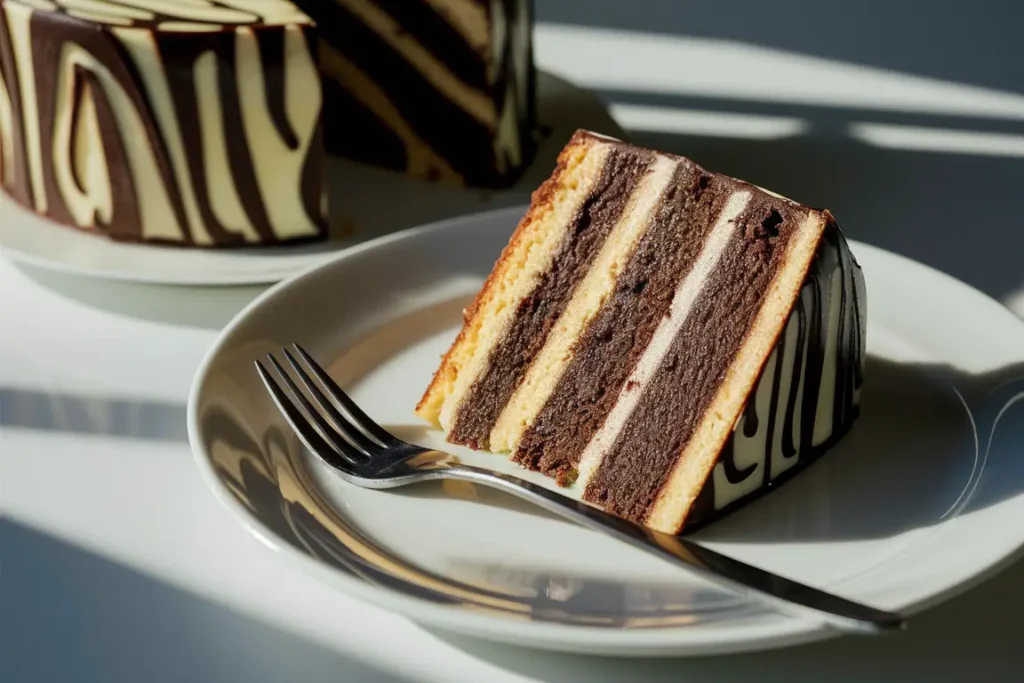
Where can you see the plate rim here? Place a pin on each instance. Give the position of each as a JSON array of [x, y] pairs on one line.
[[666, 641]]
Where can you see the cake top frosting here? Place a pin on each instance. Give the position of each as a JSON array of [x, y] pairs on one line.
[[175, 15]]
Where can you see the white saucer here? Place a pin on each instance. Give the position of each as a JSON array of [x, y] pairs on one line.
[[373, 202], [922, 499]]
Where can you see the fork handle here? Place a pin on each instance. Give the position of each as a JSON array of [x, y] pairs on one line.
[[780, 593]]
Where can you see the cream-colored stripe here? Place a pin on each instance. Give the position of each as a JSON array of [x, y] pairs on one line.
[[587, 299], [97, 18], [474, 102], [6, 135], [274, 12], [19, 16], [520, 272], [141, 45], [186, 27], [221, 191], [42, 5], [78, 147], [419, 155], [278, 167], [508, 148], [158, 218], [826, 407], [196, 10], [682, 303], [468, 17], [108, 10], [701, 452]]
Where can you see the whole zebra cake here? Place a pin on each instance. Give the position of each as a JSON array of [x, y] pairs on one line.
[[194, 123], [438, 89], [669, 340]]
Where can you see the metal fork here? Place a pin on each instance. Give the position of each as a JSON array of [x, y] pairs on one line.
[[338, 432]]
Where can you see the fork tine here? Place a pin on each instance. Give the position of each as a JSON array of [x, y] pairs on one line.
[[316, 420], [351, 432], [313, 441], [354, 413]]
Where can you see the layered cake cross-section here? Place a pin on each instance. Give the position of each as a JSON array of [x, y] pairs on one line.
[[671, 341]]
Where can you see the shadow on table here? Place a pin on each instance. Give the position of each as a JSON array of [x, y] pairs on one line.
[[208, 308], [69, 615]]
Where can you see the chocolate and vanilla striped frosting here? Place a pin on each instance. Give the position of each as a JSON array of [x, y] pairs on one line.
[[187, 122]]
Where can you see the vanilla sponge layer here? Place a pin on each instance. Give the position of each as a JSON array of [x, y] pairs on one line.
[[527, 257]]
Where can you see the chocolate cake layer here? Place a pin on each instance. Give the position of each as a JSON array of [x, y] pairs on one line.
[[633, 471], [607, 352], [192, 124], [537, 313], [450, 82]]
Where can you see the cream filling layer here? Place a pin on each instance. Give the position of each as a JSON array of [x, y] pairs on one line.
[[685, 296], [587, 299], [523, 269]]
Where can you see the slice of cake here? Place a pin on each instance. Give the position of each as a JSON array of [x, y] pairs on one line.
[[189, 123], [669, 340], [441, 90]]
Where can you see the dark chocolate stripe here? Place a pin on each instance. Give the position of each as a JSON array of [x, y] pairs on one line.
[[59, 31], [511, 80], [537, 313], [20, 186], [773, 404], [46, 57], [789, 448], [673, 405], [312, 183], [440, 38], [272, 56], [105, 47], [616, 338], [464, 142], [363, 137], [179, 54]]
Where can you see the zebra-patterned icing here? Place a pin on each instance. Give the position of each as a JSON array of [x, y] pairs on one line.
[[193, 123], [439, 89], [808, 394]]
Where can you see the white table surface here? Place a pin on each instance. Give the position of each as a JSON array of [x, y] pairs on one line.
[[116, 563]]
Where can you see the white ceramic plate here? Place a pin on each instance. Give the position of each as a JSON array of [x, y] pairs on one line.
[[371, 203], [924, 497]]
